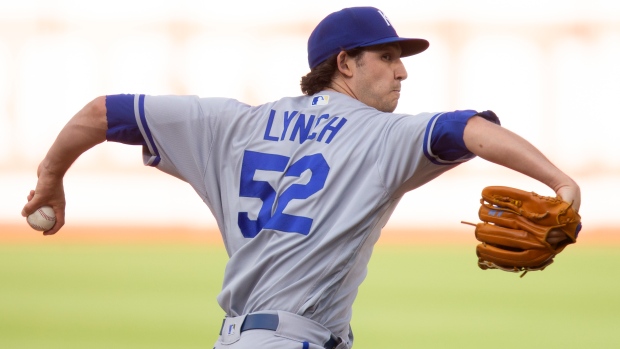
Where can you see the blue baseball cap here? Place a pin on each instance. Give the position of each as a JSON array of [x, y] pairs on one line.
[[356, 27]]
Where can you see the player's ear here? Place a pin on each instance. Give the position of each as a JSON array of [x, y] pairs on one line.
[[344, 63]]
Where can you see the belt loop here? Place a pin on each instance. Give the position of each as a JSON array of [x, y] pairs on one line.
[[332, 342], [231, 329], [284, 324], [221, 328]]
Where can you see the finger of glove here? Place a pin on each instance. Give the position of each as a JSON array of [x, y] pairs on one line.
[[513, 238], [506, 197], [509, 259], [515, 221], [501, 217], [512, 220], [544, 210]]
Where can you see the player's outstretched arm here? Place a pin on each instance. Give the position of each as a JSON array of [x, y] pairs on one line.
[[85, 130], [501, 146]]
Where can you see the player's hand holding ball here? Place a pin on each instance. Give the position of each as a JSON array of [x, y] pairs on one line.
[[43, 219], [45, 209]]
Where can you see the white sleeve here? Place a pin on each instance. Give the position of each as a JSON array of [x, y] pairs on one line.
[[178, 135]]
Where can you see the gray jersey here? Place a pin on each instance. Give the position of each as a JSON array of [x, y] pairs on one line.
[[300, 188]]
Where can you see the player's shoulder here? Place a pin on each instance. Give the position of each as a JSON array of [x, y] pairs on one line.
[[230, 104], [328, 102], [222, 103], [301, 102]]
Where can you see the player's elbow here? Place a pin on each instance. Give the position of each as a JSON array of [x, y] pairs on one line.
[[98, 107], [91, 120], [94, 114]]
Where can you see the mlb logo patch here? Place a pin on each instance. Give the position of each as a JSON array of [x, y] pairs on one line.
[[231, 329], [320, 100]]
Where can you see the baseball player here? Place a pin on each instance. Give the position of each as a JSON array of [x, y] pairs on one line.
[[300, 187]]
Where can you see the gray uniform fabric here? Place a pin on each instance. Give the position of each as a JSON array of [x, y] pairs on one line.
[[262, 169]]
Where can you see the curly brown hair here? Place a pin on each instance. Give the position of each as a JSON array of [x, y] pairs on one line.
[[320, 78]]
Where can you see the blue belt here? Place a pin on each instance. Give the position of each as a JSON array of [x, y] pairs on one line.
[[270, 322]]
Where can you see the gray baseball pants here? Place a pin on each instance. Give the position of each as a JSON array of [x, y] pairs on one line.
[[275, 330]]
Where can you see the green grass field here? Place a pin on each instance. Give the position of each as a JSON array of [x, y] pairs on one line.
[[163, 296]]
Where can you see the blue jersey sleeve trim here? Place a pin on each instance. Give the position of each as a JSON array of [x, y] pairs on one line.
[[122, 126], [427, 146], [443, 139], [127, 124], [153, 158]]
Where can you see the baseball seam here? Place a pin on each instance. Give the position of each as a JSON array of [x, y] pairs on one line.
[[36, 226], [47, 218]]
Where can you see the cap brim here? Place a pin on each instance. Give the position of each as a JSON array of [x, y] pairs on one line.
[[410, 47]]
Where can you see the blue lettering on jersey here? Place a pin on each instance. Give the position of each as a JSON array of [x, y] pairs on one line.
[[287, 121], [267, 217], [267, 136], [333, 129], [304, 127]]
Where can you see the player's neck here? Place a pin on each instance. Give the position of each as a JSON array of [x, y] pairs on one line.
[[341, 87]]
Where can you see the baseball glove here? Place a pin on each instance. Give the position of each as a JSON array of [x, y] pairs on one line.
[[523, 231]]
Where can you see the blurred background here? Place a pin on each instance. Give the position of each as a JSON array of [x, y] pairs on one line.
[[549, 69]]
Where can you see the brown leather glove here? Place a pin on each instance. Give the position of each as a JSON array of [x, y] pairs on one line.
[[523, 231]]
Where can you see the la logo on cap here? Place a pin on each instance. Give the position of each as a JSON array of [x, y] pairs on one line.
[[387, 21]]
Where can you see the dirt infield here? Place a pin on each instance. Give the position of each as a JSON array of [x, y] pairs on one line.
[[11, 233]]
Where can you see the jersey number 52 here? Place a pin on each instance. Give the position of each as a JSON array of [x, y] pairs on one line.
[[249, 187]]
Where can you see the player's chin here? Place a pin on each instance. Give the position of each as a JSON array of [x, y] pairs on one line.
[[386, 108], [387, 104], [391, 105]]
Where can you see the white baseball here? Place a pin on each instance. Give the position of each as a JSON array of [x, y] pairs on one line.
[[42, 219]]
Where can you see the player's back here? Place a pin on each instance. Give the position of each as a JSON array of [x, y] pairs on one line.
[[304, 186]]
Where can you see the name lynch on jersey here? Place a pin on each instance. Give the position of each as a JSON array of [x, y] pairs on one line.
[[302, 127]]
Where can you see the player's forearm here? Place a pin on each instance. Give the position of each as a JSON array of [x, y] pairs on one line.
[[501, 146], [85, 130]]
